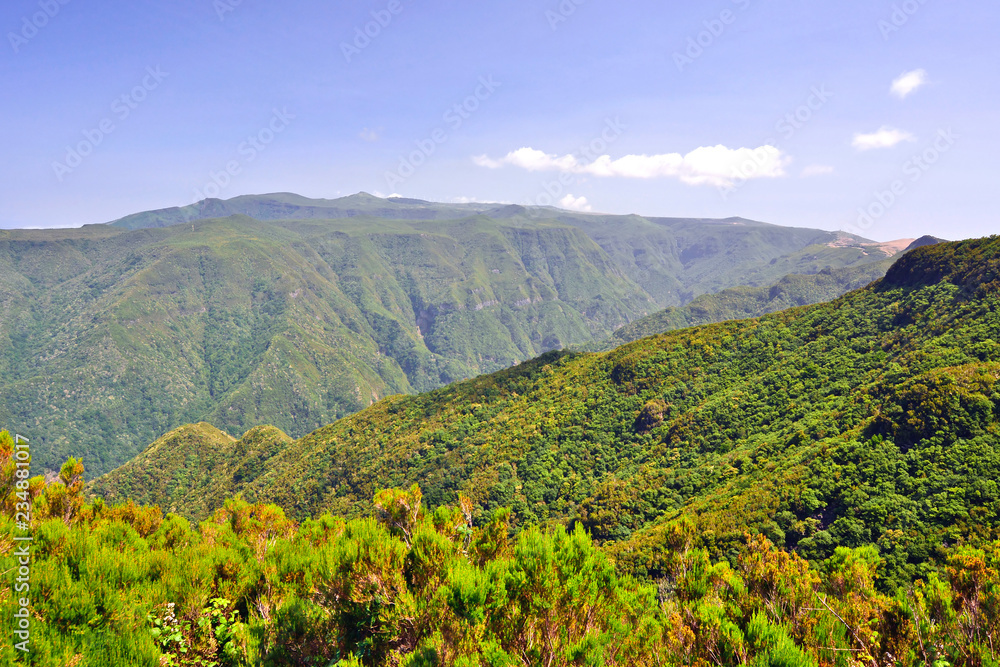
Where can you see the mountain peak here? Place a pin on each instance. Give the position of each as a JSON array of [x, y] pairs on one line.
[[924, 241], [970, 264]]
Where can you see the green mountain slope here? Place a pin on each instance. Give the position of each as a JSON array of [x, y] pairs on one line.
[[198, 466], [116, 337], [113, 336], [871, 420], [676, 260], [739, 303], [672, 259]]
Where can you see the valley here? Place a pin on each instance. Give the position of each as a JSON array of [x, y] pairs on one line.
[[119, 333]]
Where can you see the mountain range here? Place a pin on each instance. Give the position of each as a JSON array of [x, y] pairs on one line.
[[815, 486], [869, 420], [283, 310], [738, 303]]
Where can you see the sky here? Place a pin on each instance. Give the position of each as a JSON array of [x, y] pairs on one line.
[[877, 117]]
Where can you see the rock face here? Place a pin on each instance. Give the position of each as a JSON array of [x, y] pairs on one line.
[[651, 416]]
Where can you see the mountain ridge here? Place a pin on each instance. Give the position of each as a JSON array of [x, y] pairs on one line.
[[748, 302], [818, 426], [655, 252], [115, 336], [230, 317], [287, 205]]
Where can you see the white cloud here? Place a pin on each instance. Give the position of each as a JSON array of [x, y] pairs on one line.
[[908, 82], [530, 159], [885, 137], [370, 135], [708, 165], [817, 170], [576, 204]]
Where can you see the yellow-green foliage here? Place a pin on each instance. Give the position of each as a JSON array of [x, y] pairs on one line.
[[192, 469], [125, 586], [872, 420]]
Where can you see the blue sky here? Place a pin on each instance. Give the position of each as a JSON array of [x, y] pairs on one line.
[[113, 107]]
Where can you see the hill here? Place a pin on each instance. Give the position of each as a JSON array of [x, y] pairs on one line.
[[198, 466], [672, 259], [739, 303], [871, 420], [114, 336]]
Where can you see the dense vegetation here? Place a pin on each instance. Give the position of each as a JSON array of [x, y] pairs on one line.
[[816, 487], [869, 421], [113, 336], [740, 303], [125, 586]]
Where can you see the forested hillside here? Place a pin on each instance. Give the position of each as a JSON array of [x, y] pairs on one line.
[[868, 421], [739, 303], [812, 488], [112, 336], [126, 586]]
